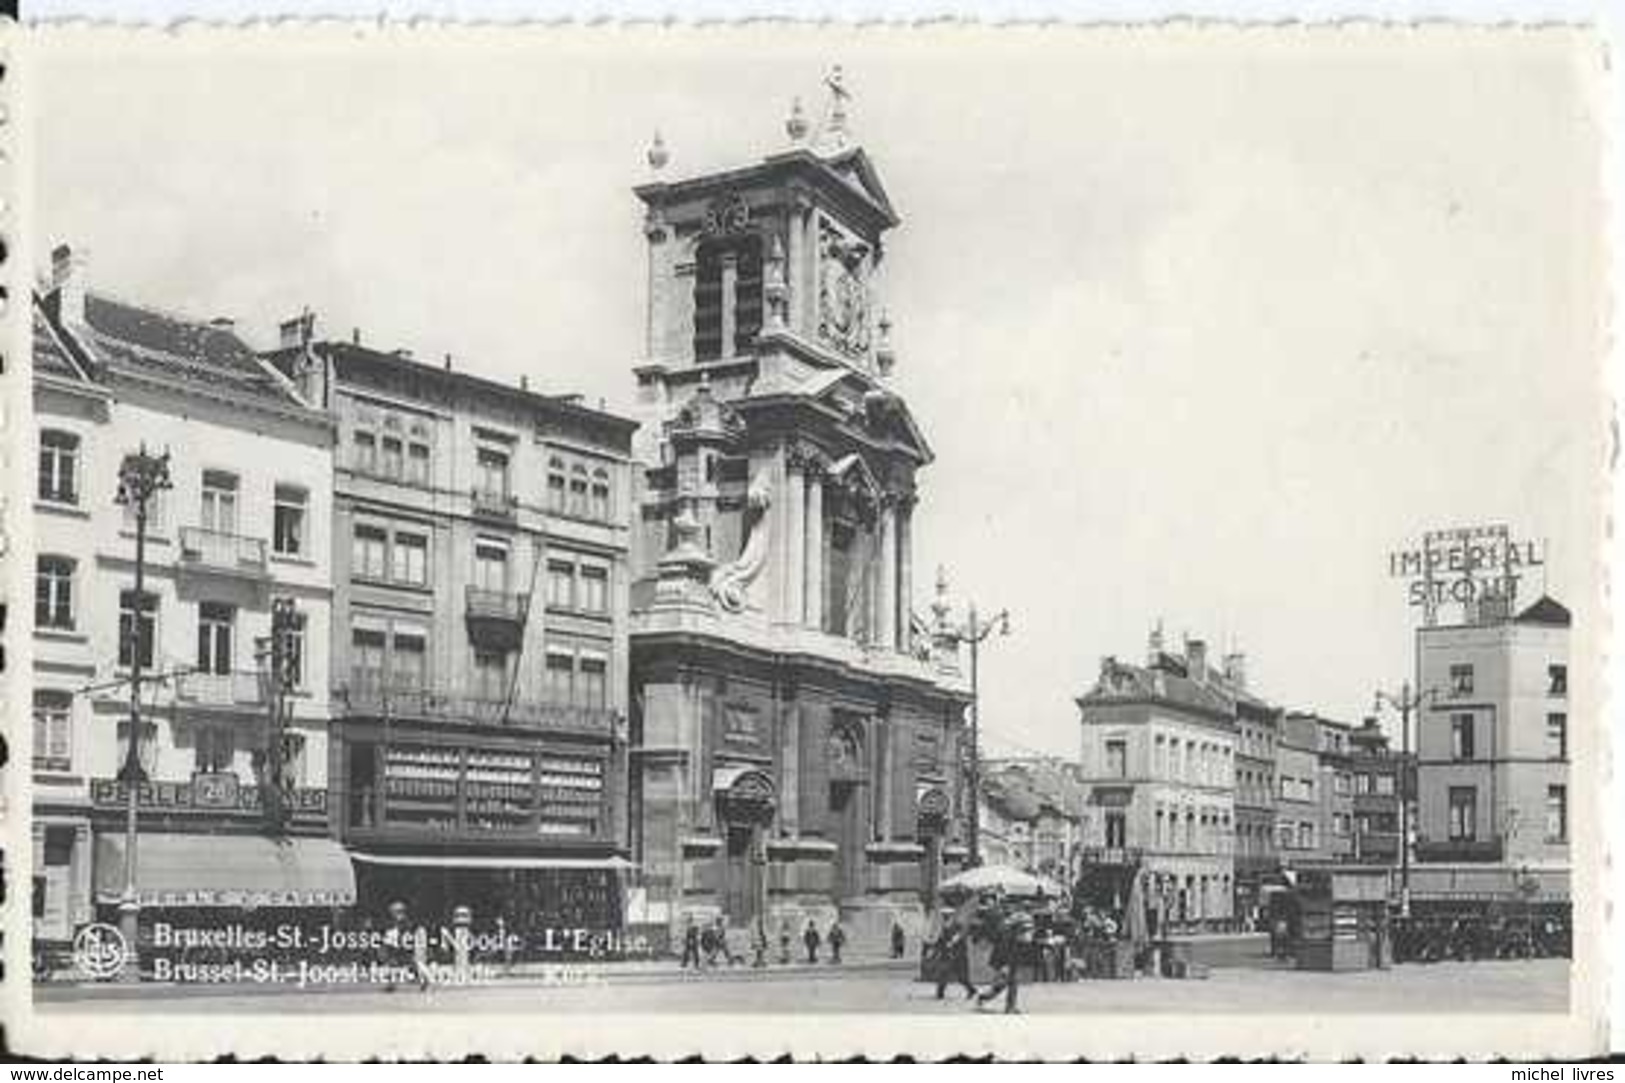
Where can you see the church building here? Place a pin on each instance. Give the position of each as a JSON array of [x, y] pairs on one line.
[[796, 728]]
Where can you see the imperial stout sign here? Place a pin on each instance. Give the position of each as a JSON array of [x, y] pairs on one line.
[[1477, 568]]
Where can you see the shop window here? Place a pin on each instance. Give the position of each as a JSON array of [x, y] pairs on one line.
[[53, 592], [53, 733], [59, 467]]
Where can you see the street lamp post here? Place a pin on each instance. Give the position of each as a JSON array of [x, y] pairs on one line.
[[1405, 702], [973, 631], [141, 477]]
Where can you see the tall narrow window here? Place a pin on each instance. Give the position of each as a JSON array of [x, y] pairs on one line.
[[364, 459], [1116, 830], [368, 558], [59, 467], [410, 561], [417, 463], [578, 491], [592, 684], [559, 677], [490, 676], [594, 589], [708, 302], [1461, 679], [219, 502], [53, 592], [1557, 814], [409, 660], [214, 625], [296, 650], [53, 735], [491, 473], [367, 661], [392, 460], [1116, 758], [491, 566], [1557, 680], [557, 485], [747, 293], [288, 524], [561, 578], [137, 619], [600, 507], [1461, 736], [1557, 736], [1463, 813]]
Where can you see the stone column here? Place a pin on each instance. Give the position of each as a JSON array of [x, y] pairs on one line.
[[813, 551], [795, 273], [794, 568], [654, 229], [886, 576], [905, 574], [730, 318], [790, 773]]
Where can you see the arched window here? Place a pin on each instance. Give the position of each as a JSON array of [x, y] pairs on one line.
[[601, 509], [578, 490], [59, 467]]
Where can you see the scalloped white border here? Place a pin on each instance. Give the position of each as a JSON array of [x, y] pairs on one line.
[[1584, 1030]]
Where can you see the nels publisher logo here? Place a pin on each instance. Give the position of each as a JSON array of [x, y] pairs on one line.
[[98, 950]]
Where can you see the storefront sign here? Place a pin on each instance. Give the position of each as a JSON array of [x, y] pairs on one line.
[[202, 793]]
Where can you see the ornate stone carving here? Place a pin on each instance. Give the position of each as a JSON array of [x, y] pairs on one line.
[[725, 216], [843, 293], [731, 583]]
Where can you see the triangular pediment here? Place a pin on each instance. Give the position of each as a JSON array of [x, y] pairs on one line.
[[872, 407], [857, 169]]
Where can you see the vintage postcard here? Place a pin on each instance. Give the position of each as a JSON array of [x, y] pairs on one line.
[[819, 540]]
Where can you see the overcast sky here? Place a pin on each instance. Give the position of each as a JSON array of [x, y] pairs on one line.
[[1200, 327]]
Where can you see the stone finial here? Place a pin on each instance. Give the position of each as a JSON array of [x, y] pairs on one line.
[[795, 125], [658, 155]]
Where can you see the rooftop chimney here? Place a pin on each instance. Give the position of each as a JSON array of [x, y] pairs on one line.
[[296, 332], [403, 353], [68, 281], [355, 336], [524, 382], [1196, 659], [1235, 670], [1153, 647], [446, 364]]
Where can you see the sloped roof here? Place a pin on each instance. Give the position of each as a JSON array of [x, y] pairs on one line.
[[53, 355], [147, 341], [1162, 684], [1548, 611]]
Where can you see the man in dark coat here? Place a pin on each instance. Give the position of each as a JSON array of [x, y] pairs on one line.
[[837, 937], [691, 944], [1009, 943], [899, 939], [953, 959], [811, 939]]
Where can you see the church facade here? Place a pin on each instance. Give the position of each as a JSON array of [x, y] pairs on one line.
[[796, 728]]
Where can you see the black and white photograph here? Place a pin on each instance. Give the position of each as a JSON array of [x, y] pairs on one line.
[[808, 539]]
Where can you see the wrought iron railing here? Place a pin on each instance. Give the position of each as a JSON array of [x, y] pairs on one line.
[[220, 689], [218, 550], [497, 604], [494, 502]]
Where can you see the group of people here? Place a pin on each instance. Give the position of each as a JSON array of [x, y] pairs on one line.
[[703, 947], [1014, 937]]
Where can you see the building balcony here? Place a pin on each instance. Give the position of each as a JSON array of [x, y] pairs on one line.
[[496, 618], [1465, 850], [215, 552], [496, 504], [374, 700], [219, 689], [1381, 846]]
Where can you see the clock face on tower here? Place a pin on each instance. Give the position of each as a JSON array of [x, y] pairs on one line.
[[843, 295]]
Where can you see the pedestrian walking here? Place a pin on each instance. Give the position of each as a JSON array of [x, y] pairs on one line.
[[784, 941], [811, 940], [952, 959], [709, 945], [899, 939], [407, 948], [1008, 946], [691, 944], [837, 937], [723, 947]]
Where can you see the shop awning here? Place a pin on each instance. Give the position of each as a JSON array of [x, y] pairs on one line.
[[487, 861], [227, 870]]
